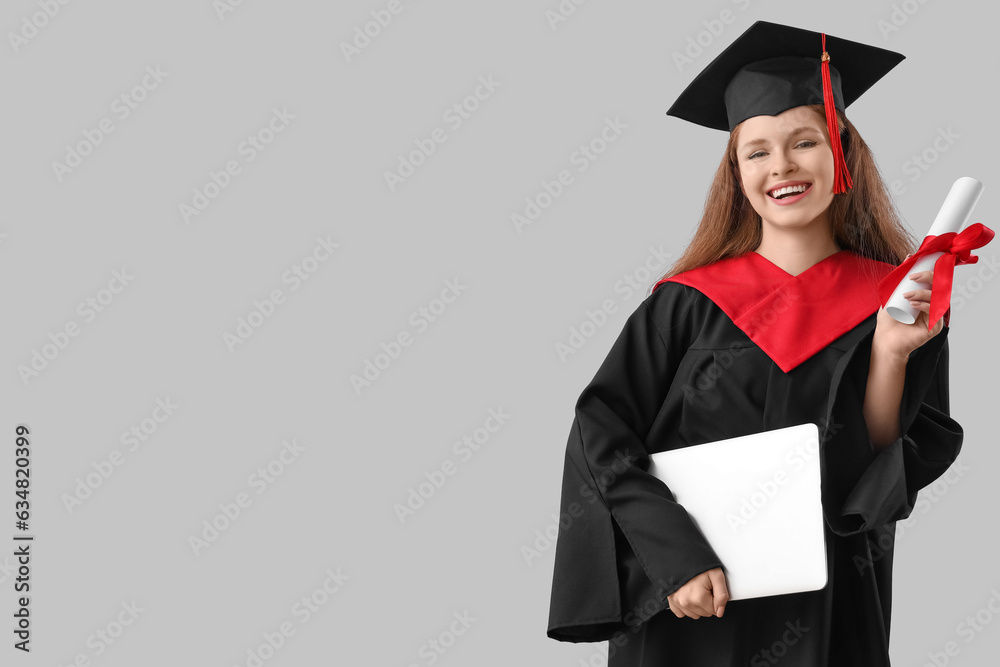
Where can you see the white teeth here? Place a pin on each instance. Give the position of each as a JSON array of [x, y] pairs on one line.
[[792, 188]]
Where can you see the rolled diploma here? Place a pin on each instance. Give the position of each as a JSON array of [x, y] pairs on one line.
[[952, 217]]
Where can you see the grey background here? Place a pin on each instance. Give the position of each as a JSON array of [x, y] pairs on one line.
[[494, 346]]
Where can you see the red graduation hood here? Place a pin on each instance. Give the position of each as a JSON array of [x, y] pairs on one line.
[[791, 317]]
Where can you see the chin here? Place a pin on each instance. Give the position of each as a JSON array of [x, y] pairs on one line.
[[793, 221]]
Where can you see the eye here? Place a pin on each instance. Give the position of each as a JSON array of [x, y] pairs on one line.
[[806, 143]]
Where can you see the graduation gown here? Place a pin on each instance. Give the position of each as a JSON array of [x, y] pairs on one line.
[[737, 347]]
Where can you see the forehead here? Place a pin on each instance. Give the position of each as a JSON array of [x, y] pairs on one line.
[[789, 123]]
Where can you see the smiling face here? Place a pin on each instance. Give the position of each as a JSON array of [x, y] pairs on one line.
[[788, 155]]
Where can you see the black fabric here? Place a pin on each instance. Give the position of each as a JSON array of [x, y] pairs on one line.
[[681, 373], [768, 87], [773, 67]]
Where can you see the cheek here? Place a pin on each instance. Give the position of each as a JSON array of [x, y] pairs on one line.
[[751, 189], [825, 165], [748, 178], [825, 171]]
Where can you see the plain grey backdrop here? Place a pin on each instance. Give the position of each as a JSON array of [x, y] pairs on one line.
[[169, 167]]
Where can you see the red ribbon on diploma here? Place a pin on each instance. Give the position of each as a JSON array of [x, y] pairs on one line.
[[957, 249]]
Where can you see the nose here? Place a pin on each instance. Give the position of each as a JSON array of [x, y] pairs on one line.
[[782, 162]]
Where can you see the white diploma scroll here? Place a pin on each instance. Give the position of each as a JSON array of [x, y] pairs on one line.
[[954, 213]]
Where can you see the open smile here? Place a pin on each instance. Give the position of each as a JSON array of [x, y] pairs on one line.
[[789, 194]]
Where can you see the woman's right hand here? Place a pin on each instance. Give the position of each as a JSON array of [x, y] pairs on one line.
[[701, 595]]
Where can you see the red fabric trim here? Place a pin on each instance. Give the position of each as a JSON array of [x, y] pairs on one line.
[[791, 318]]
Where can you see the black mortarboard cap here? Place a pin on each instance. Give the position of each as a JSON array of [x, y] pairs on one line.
[[771, 68]]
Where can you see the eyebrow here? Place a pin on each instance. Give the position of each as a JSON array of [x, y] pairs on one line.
[[798, 130]]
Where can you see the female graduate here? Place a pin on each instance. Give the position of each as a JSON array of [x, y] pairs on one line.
[[770, 318]]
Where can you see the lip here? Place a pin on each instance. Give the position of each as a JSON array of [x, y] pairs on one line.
[[788, 200]]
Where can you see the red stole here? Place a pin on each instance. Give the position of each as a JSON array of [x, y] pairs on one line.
[[791, 318]]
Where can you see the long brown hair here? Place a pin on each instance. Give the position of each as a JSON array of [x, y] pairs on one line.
[[864, 219]]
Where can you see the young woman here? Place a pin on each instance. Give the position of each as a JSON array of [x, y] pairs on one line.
[[769, 319]]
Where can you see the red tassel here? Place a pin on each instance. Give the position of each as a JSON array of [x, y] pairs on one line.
[[841, 178]]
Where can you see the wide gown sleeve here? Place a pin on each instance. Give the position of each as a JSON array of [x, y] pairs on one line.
[[930, 442], [624, 544]]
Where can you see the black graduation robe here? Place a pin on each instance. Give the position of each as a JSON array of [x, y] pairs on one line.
[[683, 371]]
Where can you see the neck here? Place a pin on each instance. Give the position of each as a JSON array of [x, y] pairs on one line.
[[795, 250]]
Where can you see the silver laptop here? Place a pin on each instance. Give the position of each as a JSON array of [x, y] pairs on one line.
[[756, 499]]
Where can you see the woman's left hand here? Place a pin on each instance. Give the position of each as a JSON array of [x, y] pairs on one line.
[[898, 339]]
